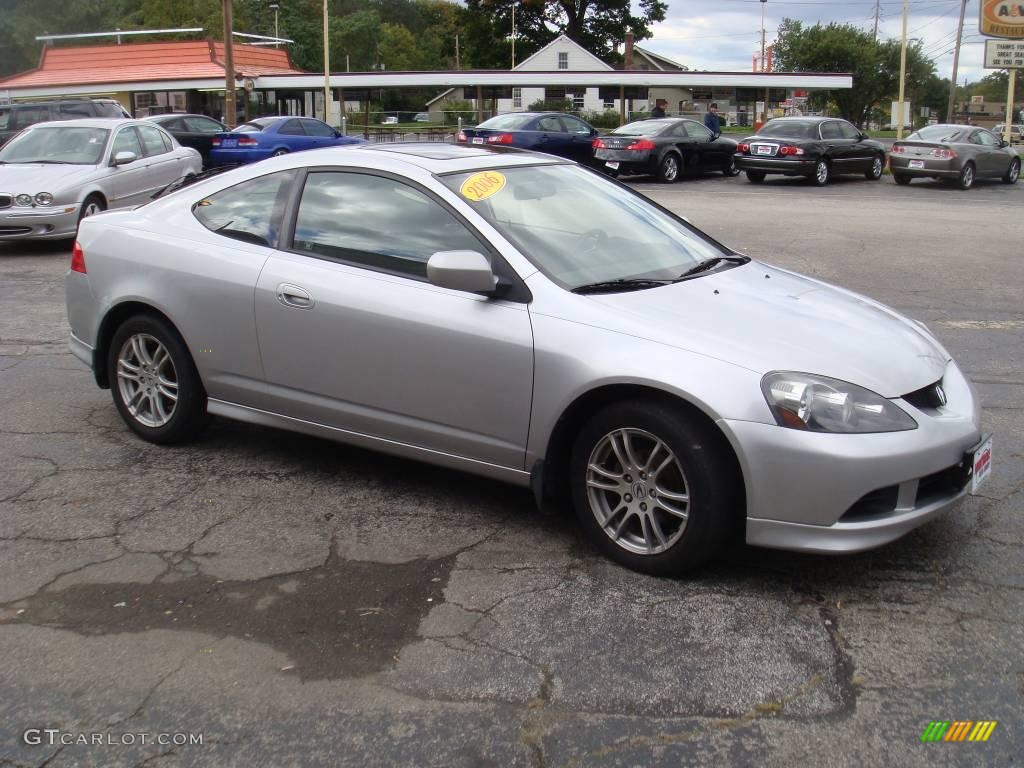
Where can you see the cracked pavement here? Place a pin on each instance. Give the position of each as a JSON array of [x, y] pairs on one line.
[[300, 602]]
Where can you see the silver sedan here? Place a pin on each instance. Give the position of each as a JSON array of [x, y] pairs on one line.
[[517, 316], [53, 175]]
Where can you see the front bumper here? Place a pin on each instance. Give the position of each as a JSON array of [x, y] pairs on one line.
[[813, 492], [38, 223], [786, 167]]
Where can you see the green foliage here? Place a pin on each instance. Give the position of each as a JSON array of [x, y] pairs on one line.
[[609, 118], [552, 105]]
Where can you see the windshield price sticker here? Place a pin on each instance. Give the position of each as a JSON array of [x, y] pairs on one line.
[[482, 185]]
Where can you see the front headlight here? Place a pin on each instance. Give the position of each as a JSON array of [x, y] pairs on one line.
[[820, 404], [23, 199], [44, 198]]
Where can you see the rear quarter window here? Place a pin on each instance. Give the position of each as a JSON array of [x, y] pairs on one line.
[[250, 211]]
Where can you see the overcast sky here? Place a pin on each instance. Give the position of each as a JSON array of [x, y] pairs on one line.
[[725, 34]]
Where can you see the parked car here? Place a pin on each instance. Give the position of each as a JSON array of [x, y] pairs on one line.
[[666, 148], [272, 136], [957, 153], [514, 315], [53, 175], [550, 132], [816, 147], [390, 120], [196, 131], [1016, 133], [16, 117], [421, 117]]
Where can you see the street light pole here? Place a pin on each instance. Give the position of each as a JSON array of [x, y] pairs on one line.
[[231, 111], [956, 64], [327, 69], [513, 34], [903, 72]]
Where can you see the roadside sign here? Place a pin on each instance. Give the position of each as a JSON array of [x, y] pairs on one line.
[[1004, 54], [1002, 18]]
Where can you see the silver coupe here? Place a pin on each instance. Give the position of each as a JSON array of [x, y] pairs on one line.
[[518, 316], [53, 175], [959, 154]]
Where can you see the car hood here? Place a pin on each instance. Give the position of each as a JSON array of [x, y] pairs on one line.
[[768, 319], [32, 178]]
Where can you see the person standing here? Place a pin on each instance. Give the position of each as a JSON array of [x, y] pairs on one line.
[[711, 121], [659, 108]]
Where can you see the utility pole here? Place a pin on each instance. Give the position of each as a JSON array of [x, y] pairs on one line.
[[513, 34], [956, 63], [230, 109], [275, 8], [878, 11], [903, 72], [457, 67], [327, 69], [764, 115]]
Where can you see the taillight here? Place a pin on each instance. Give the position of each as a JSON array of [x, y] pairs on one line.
[[642, 144], [743, 148], [501, 138], [248, 143], [598, 144], [461, 137], [898, 149], [945, 154], [77, 259], [790, 151], [214, 142]]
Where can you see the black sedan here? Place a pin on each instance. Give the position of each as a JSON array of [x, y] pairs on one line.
[[552, 132], [816, 147], [666, 148], [196, 131]]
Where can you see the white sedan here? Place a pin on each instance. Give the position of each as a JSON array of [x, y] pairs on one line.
[[53, 175]]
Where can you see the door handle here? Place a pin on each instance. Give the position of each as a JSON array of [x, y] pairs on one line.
[[294, 296]]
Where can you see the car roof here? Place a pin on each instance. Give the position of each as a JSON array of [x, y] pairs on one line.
[[807, 120], [91, 122], [439, 158]]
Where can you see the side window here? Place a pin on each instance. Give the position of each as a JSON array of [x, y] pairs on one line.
[[5, 116], [576, 126], [831, 130], [126, 141], [152, 140], [698, 131], [70, 110], [550, 123], [167, 140], [316, 128], [109, 109], [26, 116], [292, 128], [375, 222], [849, 131], [677, 131], [987, 139], [203, 125], [250, 211]]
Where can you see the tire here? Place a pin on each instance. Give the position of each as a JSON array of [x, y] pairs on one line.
[[901, 178], [966, 180], [1013, 172], [877, 166], [692, 461], [755, 177], [822, 173], [92, 205], [172, 421], [279, 152], [731, 170], [668, 169]]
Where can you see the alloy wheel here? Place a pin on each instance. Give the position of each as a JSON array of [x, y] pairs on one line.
[[967, 177], [147, 380], [876, 168], [821, 172], [91, 209], [1014, 172], [637, 491], [670, 168]]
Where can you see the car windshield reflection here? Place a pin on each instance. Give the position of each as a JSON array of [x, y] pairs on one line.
[[57, 145]]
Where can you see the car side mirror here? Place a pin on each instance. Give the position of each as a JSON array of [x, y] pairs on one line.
[[1003, 143], [716, 135], [123, 158], [462, 271]]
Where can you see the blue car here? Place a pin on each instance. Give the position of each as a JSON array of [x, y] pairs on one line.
[[551, 132], [271, 136]]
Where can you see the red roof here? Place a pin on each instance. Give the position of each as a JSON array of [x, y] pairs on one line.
[[146, 62]]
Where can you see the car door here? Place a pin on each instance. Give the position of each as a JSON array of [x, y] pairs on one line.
[[580, 139], [992, 160], [838, 148], [861, 154], [127, 183], [320, 133], [353, 336], [701, 142], [199, 132], [292, 135], [162, 165], [552, 136]]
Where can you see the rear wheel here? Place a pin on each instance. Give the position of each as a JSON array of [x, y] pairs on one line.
[[154, 382], [731, 169], [822, 172], [668, 169], [755, 177], [279, 152], [654, 488], [875, 172], [1012, 173], [901, 178], [966, 180]]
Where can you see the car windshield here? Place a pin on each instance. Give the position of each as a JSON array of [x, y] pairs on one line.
[[580, 228], [63, 145], [785, 130], [642, 128], [507, 122], [936, 133]]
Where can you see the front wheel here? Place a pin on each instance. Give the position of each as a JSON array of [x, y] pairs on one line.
[[822, 173], [154, 382], [654, 488], [668, 169], [755, 177], [1013, 173], [875, 172], [966, 180]]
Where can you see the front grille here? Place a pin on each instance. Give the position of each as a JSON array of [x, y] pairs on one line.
[[932, 396], [5, 201], [875, 504], [938, 486]]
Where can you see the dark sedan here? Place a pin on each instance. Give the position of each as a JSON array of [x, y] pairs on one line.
[[816, 147], [666, 148], [196, 131], [955, 153], [551, 132]]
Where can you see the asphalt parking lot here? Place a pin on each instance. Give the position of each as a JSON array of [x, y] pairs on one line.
[[298, 602]]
